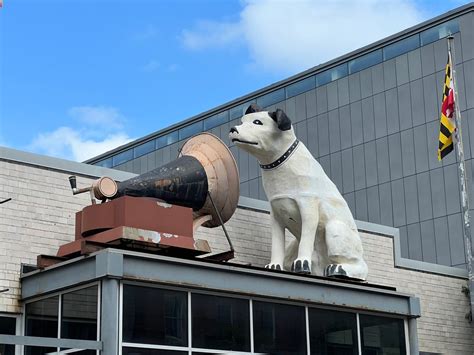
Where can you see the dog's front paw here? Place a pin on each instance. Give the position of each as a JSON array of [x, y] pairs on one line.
[[301, 266], [274, 266], [335, 270]]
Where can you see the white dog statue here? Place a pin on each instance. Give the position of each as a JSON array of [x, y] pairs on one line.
[[303, 200]]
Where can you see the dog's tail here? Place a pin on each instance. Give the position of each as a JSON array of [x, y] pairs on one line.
[[291, 253]]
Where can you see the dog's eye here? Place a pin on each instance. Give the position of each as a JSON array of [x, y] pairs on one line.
[[258, 122]]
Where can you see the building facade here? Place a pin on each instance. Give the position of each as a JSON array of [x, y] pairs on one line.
[[371, 118]]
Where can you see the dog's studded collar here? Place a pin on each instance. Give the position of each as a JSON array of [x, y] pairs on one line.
[[281, 159]]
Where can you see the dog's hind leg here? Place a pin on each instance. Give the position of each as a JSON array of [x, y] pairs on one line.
[[344, 251]]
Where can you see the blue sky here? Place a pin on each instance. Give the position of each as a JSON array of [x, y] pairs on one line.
[[80, 77]]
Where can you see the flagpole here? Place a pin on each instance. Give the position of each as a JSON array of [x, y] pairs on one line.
[[463, 180]]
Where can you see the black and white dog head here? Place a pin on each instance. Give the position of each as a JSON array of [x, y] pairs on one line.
[[263, 134]]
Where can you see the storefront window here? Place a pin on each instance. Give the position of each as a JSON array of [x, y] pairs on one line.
[[42, 321], [79, 314], [332, 332], [382, 336], [279, 329], [220, 323], [154, 316], [8, 327]]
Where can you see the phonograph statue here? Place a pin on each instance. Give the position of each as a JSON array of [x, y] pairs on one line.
[[161, 209]]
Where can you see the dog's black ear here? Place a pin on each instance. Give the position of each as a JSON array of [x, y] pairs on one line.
[[252, 109], [281, 119]]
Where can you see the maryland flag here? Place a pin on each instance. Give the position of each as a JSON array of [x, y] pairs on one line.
[[447, 126]]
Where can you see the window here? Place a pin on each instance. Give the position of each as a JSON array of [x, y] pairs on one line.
[[279, 329], [216, 120], [122, 157], [440, 31], [365, 61], [190, 130], [42, 321], [332, 332], [220, 323], [238, 111], [143, 149], [401, 47], [300, 87], [137, 351], [380, 335], [331, 74], [8, 327], [154, 316], [106, 163], [79, 314], [167, 139], [271, 98]]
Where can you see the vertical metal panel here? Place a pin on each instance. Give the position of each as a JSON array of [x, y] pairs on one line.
[[389, 74], [166, 154], [437, 192], [356, 123], [261, 190], [443, 255], [366, 83], [336, 169], [386, 209], [354, 87], [383, 162], [411, 199], [243, 160], [225, 132], [253, 188], [458, 48], [404, 106], [136, 165], [401, 65], [323, 134], [414, 242], [301, 131], [321, 99], [431, 99], [359, 167], [326, 164], [343, 91], [414, 64], [428, 241], [391, 104], [431, 159], [380, 115], [347, 171], [311, 103], [461, 80], [469, 84], [440, 49], [253, 167], [143, 164], [395, 156], [422, 156], [456, 240], [244, 189], [300, 102], [312, 137], [334, 131], [151, 160], [404, 242], [451, 181], [350, 199], [417, 102], [427, 59], [398, 199], [332, 95], [466, 25], [368, 121], [377, 78], [159, 158], [291, 108], [361, 205], [408, 152], [424, 196], [370, 153], [345, 123], [373, 205]]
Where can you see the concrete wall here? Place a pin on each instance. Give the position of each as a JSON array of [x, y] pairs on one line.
[[40, 218]]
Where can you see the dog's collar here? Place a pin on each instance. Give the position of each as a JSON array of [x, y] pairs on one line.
[[281, 159]]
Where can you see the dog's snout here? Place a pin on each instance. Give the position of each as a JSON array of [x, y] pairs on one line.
[[233, 130]]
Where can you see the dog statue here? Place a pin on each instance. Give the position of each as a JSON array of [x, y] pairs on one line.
[[303, 200]]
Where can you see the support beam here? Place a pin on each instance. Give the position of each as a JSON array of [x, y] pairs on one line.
[[109, 321]]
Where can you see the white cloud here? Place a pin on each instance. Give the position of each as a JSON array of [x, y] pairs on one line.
[[95, 131], [287, 36]]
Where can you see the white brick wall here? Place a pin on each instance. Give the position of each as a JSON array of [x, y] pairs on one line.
[[40, 218]]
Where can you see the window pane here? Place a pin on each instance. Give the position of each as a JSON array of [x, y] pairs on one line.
[[42, 321], [122, 157], [271, 98], [401, 47], [300, 87], [137, 351], [440, 31], [216, 120], [79, 314], [365, 61], [190, 130], [332, 333], [154, 316], [144, 149], [279, 329], [107, 163], [238, 111], [167, 139], [220, 323], [382, 336], [331, 74], [7, 326]]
